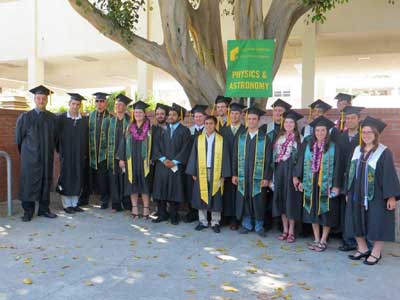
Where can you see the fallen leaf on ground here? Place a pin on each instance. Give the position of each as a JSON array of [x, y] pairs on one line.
[[229, 289], [204, 264], [27, 281], [260, 244]]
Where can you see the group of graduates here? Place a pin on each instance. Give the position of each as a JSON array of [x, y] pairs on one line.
[[334, 176]]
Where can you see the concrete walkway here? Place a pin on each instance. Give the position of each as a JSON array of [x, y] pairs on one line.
[[100, 255]]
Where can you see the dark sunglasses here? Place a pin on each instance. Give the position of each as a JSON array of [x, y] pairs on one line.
[[100, 101]]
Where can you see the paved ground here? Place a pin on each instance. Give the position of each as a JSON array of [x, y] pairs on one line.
[[100, 255]]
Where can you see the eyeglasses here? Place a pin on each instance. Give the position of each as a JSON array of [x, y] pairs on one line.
[[101, 101]]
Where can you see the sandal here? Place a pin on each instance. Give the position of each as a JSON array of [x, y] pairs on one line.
[[146, 216], [135, 216], [321, 247], [283, 236], [371, 263], [291, 238], [312, 245], [358, 257]]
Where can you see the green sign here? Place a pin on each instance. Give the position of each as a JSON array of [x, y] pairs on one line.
[[250, 64]]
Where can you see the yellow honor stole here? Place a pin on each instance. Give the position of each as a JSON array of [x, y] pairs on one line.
[[202, 166]]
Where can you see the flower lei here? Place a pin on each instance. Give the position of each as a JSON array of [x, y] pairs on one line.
[[139, 134], [285, 148], [317, 157]]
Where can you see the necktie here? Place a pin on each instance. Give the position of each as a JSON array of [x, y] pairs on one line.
[[234, 129]]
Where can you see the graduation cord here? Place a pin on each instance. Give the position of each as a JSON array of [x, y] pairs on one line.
[[369, 154]]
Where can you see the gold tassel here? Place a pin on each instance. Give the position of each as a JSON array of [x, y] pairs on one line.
[[115, 106], [341, 121], [309, 114], [281, 122], [228, 119], [132, 116], [181, 115], [213, 110], [360, 134], [247, 113]]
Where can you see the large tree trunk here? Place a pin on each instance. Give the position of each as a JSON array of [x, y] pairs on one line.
[[192, 51]]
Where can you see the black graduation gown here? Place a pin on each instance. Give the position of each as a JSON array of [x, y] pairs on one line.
[[99, 178], [214, 203], [167, 185], [140, 183], [273, 135], [330, 218], [230, 190], [286, 200], [377, 223], [36, 138], [246, 205], [347, 147], [188, 178], [115, 174], [73, 149]]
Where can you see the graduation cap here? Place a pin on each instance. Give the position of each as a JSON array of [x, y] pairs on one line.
[[321, 105], [236, 107], [198, 108], [179, 109], [344, 97], [41, 90], [291, 114], [164, 107], [281, 103], [255, 110], [349, 110], [322, 121], [223, 99], [376, 123], [101, 96], [76, 97], [140, 105], [124, 99]]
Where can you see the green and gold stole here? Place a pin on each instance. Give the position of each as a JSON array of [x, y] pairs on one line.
[[202, 165], [325, 179], [369, 183], [111, 138], [94, 157], [259, 159], [146, 154]]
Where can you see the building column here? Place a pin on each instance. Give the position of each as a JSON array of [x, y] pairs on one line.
[[144, 70], [308, 66], [35, 64]]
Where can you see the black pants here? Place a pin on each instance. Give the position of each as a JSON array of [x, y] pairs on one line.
[[162, 209], [117, 191]]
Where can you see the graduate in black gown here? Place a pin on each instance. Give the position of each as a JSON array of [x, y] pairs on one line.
[[199, 114], [209, 165], [318, 175], [230, 133], [279, 107], [343, 100], [134, 153], [73, 149], [171, 154], [252, 173], [98, 140], [220, 110], [373, 189], [286, 201], [348, 140], [317, 109], [36, 139], [116, 133]]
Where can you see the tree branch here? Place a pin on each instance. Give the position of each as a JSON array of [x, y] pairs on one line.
[[143, 49], [248, 19], [279, 22]]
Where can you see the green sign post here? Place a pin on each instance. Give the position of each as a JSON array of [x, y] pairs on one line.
[[250, 64]]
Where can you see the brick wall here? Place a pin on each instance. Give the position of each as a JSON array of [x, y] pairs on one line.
[[391, 138]]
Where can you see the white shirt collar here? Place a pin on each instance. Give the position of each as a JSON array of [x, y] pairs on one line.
[[77, 118], [253, 134], [198, 127]]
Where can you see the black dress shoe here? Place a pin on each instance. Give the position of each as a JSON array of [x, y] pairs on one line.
[[200, 227], [262, 233], [104, 206], [26, 217], [346, 248], [371, 263], [69, 210], [358, 255], [175, 221], [159, 219], [47, 214], [216, 228], [191, 217], [77, 209]]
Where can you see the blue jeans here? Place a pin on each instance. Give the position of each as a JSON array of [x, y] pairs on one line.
[[247, 222]]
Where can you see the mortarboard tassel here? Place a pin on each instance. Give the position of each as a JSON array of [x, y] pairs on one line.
[[132, 116], [281, 122], [247, 113], [213, 109], [309, 114], [341, 120], [360, 134], [181, 115], [228, 119]]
